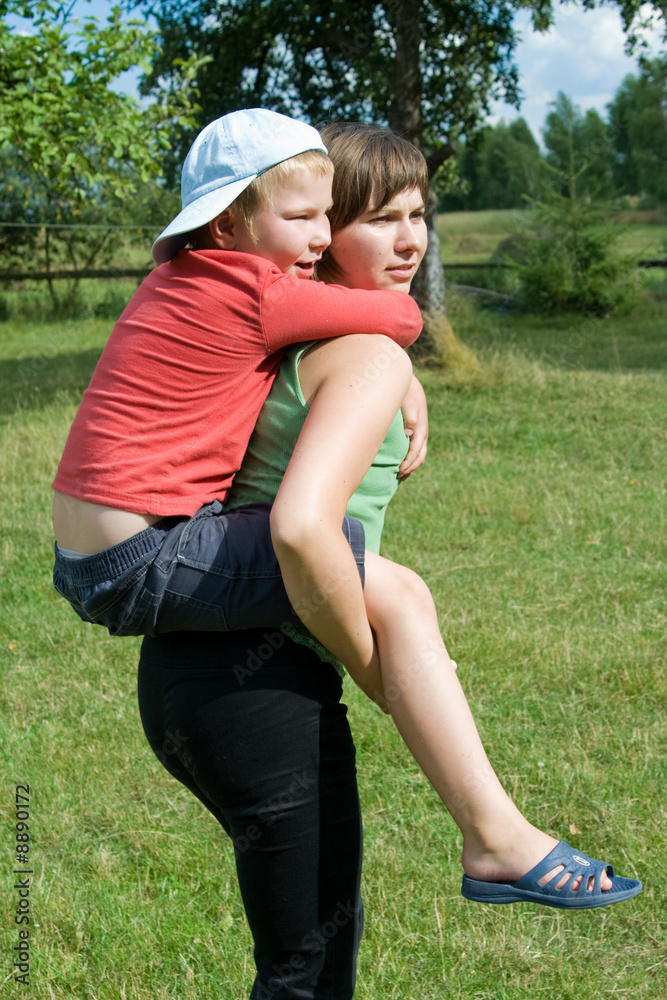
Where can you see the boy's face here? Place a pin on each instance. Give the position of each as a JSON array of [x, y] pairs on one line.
[[293, 231], [383, 248]]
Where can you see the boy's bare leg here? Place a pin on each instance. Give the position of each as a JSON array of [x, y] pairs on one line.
[[431, 712]]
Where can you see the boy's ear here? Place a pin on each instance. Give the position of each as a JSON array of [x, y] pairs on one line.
[[221, 231]]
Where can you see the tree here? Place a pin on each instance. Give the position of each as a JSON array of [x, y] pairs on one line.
[[638, 126], [73, 150], [572, 261], [429, 68], [581, 143], [499, 168]]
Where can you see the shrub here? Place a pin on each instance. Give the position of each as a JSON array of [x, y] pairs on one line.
[[571, 269], [571, 261]]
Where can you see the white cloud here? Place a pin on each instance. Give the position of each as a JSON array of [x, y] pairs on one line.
[[582, 55]]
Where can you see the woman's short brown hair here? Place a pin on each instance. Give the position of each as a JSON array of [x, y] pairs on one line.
[[370, 162]]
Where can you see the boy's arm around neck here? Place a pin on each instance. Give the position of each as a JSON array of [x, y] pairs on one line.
[[295, 310]]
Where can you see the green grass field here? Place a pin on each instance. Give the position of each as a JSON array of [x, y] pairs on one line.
[[539, 524], [473, 236]]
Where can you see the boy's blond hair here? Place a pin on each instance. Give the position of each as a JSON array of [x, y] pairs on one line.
[[262, 190]]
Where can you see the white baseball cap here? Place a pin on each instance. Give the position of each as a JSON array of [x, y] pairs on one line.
[[227, 155]]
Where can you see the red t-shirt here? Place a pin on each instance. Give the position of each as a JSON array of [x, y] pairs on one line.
[[165, 422]]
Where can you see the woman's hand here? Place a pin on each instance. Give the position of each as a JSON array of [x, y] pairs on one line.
[[415, 421]]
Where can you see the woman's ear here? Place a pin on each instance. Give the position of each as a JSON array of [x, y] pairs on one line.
[[221, 231]]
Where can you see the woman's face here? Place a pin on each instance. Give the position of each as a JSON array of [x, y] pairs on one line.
[[384, 248]]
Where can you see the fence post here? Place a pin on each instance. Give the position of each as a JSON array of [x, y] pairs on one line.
[[52, 291]]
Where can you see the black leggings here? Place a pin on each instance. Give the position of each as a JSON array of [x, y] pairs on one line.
[[252, 724]]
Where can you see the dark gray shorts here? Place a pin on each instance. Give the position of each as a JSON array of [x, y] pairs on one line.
[[213, 572]]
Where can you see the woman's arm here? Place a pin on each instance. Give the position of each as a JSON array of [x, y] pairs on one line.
[[354, 386]]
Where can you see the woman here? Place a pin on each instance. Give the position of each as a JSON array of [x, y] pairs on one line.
[[265, 742], [266, 746]]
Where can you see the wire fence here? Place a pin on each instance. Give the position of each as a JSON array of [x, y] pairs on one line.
[[66, 274], [46, 260], [116, 273], [55, 251]]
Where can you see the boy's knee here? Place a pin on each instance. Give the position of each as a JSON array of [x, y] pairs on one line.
[[395, 588], [409, 586]]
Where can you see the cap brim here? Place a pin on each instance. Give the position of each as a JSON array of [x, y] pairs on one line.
[[199, 212]]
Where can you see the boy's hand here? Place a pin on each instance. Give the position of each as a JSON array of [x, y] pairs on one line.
[[415, 421]]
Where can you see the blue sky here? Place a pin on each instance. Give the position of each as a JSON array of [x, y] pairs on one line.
[[581, 55]]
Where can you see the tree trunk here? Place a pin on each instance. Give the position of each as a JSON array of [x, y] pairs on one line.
[[429, 285], [407, 110]]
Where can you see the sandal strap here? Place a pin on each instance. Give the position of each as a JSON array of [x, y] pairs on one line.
[[575, 864]]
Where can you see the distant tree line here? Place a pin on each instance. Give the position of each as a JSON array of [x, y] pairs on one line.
[[622, 157], [77, 151]]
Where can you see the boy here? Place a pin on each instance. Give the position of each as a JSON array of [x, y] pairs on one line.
[[142, 542]]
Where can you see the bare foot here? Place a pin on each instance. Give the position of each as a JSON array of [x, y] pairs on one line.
[[509, 857], [515, 855]]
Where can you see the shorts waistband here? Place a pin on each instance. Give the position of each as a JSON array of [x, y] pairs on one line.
[[111, 562]]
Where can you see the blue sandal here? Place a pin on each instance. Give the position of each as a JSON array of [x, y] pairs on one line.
[[529, 890]]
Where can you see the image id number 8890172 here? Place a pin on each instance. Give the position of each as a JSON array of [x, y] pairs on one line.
[[22, 871]]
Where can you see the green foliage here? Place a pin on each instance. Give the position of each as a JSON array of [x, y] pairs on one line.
[[428, 68], [571, 263], [338, 58], [636, 15], [576, 271], [637, 119], [622, 157], [581, 142], [72, 149], [497, 169], [67, 129]]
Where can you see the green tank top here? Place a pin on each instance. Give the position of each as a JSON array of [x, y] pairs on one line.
[[270, 449], [275, 437]]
